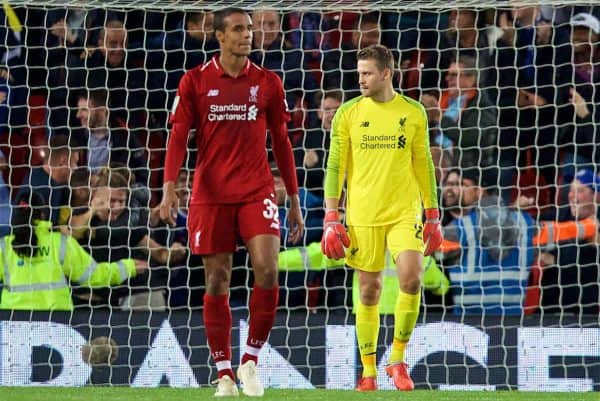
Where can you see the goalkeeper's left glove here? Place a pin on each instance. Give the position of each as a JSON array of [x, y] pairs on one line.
[[432, 231]]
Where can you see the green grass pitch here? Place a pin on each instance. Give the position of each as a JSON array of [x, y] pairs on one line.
[[169, 394]]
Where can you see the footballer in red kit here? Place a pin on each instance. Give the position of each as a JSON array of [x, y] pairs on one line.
[[232, 103]]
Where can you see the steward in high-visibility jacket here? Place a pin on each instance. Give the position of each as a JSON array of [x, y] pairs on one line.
[[311, 258], [37, 274]]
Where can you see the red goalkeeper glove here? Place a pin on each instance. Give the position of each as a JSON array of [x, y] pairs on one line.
[[432, 231], [335, 237]]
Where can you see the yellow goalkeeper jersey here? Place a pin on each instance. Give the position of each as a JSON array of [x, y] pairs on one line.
[[382, 151]]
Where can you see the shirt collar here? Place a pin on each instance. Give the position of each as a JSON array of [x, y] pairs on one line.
[[217, 65]]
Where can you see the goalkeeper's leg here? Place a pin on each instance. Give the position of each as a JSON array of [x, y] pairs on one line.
[[406, 312], [367, 326]]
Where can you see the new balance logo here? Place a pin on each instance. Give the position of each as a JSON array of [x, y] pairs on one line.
[[212, 93], [401, 142], [364, 124]]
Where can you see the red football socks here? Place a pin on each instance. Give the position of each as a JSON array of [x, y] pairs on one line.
[[263, 305], [217, 322]]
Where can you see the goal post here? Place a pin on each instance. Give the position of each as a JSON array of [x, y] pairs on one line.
[[511, 92]]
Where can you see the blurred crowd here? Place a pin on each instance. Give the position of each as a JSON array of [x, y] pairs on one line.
[[511, 93]]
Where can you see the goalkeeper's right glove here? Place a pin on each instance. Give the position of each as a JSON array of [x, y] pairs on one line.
[[335, 237]]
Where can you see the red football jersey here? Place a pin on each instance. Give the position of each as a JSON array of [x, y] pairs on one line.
[[231, 117]]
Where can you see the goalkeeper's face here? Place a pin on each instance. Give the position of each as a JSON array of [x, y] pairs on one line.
[[371, 79]]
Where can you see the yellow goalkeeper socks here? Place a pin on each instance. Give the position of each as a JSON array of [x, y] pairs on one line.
[[367, 332], [406, 313]]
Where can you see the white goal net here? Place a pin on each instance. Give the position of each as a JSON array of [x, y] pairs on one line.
[[511, 91]]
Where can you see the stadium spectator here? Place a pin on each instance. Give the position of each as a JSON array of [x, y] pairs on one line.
[[468, 117], [233, 189], [534, 75], [63, 48], [109, 221], [106, 67], [171, 54], [13, 73], [51, 179], [466, 35], [113, 230], [39, 263], [339, 65], [489, 268], [80, 185], [107, 145], [570, 282], [379, 218], [310, 157], [581, 135], [272, 51], [451, 197]]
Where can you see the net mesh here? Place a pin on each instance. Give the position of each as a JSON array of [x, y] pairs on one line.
[[510, 90]]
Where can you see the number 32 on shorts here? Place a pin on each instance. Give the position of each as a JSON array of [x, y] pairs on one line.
[[271, 212]]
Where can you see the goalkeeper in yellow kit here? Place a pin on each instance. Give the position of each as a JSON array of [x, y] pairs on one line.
[[380, 146]]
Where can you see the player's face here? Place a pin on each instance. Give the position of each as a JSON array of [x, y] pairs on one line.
[[237, 38], [371, 80], [581, 200]]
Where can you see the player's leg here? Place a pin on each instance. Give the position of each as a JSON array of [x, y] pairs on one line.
[[259, 228], [405, 242], [212, 235], [263, 250], [367, 256]]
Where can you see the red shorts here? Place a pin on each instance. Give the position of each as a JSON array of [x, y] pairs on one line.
[[217, 228]]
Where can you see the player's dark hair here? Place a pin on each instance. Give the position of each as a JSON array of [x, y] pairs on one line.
[[381, 54], [29, 207], [219, 23]]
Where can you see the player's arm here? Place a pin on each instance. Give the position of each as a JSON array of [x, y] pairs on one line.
[[334, 235], [424, 170], [277, 119], [337, 160], [182, 118]]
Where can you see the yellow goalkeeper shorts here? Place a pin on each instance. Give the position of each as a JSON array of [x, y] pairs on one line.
[[368, 244]]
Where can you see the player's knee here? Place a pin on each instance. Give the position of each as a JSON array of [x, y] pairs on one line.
[[217, 279], [411, 284], [370, 292], [266, 276]]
